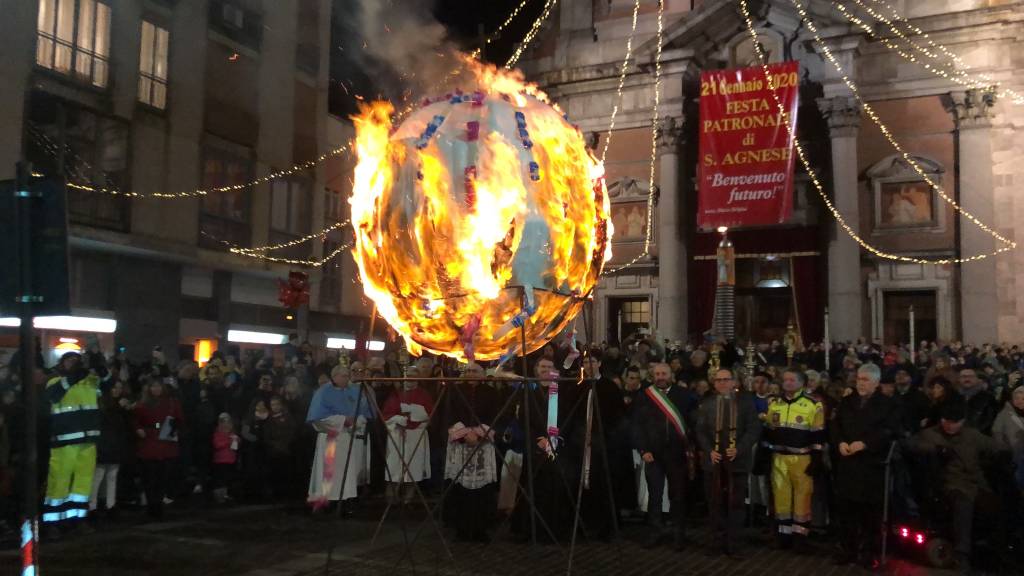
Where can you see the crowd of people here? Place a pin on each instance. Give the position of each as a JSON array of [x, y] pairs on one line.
[[801, 442]]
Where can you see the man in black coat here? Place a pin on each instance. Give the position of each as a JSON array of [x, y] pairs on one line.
[[980, 404], [660, 435], [605, 456], [727, 430], [865, 425], [914, 402]]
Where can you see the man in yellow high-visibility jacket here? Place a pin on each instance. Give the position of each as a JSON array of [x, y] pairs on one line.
[[796, 431], [74, 429]]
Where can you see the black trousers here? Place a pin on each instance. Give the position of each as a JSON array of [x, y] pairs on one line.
[[725, 504], [673, 471], [471, 512], [860, 527], [154, 477]]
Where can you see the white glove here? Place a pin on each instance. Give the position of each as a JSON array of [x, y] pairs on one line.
[[417, 413], [331, 423], [398, 420], [404, 408]]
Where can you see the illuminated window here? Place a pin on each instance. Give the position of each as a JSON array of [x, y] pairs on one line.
[[74, 38], [636, 312], [153, 66]]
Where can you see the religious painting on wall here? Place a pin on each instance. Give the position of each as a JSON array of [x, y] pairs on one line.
[[630, 221], [906, 204]]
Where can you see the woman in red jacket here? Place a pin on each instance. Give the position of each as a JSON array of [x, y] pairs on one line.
[[157, 424]]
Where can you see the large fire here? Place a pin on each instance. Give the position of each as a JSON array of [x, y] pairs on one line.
[[482, 212]]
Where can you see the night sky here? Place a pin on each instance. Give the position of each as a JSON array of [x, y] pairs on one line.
[[461, 18]]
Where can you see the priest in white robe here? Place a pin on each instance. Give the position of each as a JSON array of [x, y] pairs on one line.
[[338, 412]]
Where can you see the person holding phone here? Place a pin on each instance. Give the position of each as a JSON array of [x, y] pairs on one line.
[[157, 423]]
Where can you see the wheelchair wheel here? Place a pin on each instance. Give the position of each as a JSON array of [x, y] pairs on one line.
[[939, 553]]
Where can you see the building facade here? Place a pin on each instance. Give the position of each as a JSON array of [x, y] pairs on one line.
[[180, 95], [968, 142]]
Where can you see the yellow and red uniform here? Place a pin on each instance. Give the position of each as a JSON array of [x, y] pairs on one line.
[[796, 428]]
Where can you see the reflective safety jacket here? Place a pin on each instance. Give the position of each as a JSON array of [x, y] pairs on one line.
[[795, 426], [74, 410]]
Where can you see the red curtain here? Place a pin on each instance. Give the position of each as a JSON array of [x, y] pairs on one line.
[[807, 298], [805, 276], [703, 282]]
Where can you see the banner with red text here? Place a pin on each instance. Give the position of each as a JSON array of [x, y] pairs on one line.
[[746, 152]]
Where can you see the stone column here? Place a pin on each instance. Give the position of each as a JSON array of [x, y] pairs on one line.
[[672, 321], [844, 281], [979, 304]]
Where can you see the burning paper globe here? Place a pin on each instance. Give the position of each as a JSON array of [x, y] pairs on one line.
[[482, 213]]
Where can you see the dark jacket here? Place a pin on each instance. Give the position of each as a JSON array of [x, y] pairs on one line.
[[982, 410], [748, 430], [115, 432], [960, 458], [876, 423], [652, 430], [915, 406], [278, 433]]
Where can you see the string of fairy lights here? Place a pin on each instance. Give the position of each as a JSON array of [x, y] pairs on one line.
[[954, 59], [534, 30], [758, 49], [622, 82], [654, 145], [497, 31], [953, 70], [948, 69], [322, 234]]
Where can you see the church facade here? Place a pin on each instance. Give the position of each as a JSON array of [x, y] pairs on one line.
[[810, 269]]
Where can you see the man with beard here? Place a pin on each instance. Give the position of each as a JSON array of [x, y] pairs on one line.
[[727, 431], [660, 435], [471, 460], [604, 417]]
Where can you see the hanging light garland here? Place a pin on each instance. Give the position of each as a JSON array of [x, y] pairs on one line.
[[948, 70], [622, 81], [1008, 245], [956, 60], [548, 5], [497, 32], [315, 263], [206, 191], [654, 145], [262, 249]]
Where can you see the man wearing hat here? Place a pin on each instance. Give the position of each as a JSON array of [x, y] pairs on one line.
[[74, 429], [961, 452]]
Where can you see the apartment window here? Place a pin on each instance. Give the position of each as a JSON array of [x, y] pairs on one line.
[[290, 206], [153, 66], [74, 38], [90, 148], [224, 215], [290, 213], [238, 20]]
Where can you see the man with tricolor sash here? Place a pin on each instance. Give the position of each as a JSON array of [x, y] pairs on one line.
[[660, 435]]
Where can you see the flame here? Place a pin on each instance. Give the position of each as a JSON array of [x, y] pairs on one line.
[[478, 202]]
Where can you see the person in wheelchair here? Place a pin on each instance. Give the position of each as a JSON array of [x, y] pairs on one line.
[[960, 455]]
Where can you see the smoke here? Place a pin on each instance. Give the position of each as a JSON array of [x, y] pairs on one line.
[[398, 46]]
